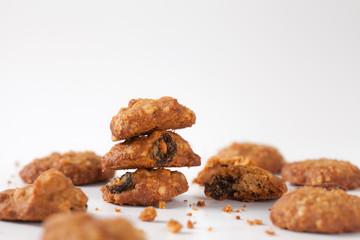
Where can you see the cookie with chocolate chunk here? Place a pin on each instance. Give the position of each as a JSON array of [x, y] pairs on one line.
[[159, 149], [145, 187], [80, 167], [51, 193], [266, 157], [244, 183], [317, 210], [146, 115], [216, 162], [78, 226], [316, 172]]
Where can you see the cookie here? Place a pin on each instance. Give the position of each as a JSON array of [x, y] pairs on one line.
[[215, 163], [51, 193], [77, 226], [265, 157], [159, 149], [145, 187], [316, 172], [244, 183], [80, 167], [317, 210], [146, 115]]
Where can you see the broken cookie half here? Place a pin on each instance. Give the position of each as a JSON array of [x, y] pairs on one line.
[[51, 193], [145, 187], [244, 183], [159, 149]]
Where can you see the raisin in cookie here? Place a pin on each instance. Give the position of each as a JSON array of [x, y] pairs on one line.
[[317, 210], [80, 167], [145, 115], [315, 172], [51, 193], [145, 187], [159, 149], [244, 183], [215, 163], [265, 157], [76, 226]]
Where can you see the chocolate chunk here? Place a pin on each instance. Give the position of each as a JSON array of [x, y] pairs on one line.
[[221, 188], [164, 149], [126, 185]]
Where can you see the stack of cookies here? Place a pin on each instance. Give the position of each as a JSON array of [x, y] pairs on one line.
[[149, 146]]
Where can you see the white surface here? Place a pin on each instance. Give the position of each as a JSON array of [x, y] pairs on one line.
[[284, 73]]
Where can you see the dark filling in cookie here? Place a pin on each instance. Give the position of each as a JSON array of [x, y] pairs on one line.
[[164, 149], [221, 188], [127, 183], [329, 186]]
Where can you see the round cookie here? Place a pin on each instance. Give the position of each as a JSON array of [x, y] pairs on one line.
[[265, 157], [80, 167], [316, 172], [145, 187], [317, 210]]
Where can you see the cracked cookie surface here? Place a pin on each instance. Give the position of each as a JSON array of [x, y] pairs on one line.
[[51, 193], [321, 171], [317, 210], [146, 115], [244, 183], [266, 157], [159, 149], [145, 187], [80, 167]]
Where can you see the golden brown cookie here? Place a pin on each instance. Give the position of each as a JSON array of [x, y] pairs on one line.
[[51, 193], [145, 187], [80, 167], [76, 226], [316, 172], [265, 157], [314, 209], [215, 163], [146, 115], [244, 183], [159, 149]]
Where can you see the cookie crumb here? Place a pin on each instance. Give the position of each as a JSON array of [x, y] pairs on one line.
[[190, 224], [185, 201], [210, 229], [96, 209], [173, 226], [227, 209], [148, 214], [255, 222], [270, 232], [237, 217], [243, 210], [189, 214], [117, 210], [195, 208], [162, 204], [9, 182], [201, 204], [237, 210], [244, 206], [17, 164], [269, 209]]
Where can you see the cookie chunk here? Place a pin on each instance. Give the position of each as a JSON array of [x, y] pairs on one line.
[[159, 149], [80, 167], [145, 115], [244, 183], [265, 157], [77, 226], [145, 187], [51, 193], [317, 172], [215, 163], [317, 210]]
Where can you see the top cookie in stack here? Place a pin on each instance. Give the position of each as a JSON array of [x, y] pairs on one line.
[[144, 125]]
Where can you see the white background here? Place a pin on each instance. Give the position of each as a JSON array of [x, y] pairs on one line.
[[284, 73]]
